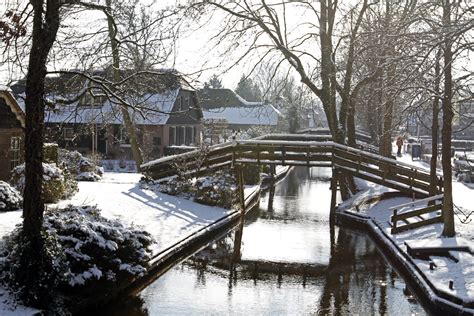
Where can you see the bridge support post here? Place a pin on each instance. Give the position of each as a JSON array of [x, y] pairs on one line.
[[238, 168], [332, 212]]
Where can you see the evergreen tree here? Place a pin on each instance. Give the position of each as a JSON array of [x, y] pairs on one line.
[[248, 90], [214, 83]]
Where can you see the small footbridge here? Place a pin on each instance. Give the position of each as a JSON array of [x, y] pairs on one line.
[[299, 150]]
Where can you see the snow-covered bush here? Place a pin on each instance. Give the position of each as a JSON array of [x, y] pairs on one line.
[[56, 183], [82, 168], [177, 186], [218, 189], [98, 250], [90, 255], [10, 198], [50, 153]]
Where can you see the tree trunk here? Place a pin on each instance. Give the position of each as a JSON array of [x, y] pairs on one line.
[[386, 142], [351, 130], [34, 263], [136, 152], [435, 130], [448, 212]]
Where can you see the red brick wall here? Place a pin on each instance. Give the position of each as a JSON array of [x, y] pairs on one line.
[[5, 153]]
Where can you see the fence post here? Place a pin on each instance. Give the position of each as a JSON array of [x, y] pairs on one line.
[[240, 182], [394, 222]]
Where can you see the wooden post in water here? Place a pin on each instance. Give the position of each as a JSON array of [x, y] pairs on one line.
[[238, 234], [332, 212], [271, 196]]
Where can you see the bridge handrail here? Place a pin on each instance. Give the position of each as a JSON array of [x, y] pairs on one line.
[[413, 203], [285, 142], [185, 155], [336, 145], [379, 157]]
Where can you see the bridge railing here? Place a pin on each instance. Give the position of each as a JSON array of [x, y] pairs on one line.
[[363, 164], [414, 218]]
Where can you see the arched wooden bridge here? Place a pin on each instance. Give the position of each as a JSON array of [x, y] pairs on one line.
[[299, 150]]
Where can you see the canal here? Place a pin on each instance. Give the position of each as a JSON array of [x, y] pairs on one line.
[[289, 262]]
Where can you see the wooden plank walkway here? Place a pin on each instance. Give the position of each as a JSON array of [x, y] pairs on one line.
[[298, 150]]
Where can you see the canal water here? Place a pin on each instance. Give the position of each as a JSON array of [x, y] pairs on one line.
[[289, 262]]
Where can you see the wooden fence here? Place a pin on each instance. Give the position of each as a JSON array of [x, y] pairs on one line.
[[414, 218]]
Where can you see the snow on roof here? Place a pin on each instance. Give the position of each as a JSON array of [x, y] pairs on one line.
[[5, 88], [12, 102], [258, 114], [152, 109]]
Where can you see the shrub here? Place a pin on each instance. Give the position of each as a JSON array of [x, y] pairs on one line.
[[89, 254], [50, 153], [252, 174], [55, 185], [10, 198], [98, 251], [216, 190], [82, 168]]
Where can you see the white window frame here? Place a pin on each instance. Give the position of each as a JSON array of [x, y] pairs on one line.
[[66, 131], [124, 141], [15, 148]]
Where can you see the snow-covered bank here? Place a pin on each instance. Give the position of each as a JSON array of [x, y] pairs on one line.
[[172, 221], [376, 215], [167, 218]]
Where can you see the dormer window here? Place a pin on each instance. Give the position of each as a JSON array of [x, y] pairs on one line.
[[93, 98]]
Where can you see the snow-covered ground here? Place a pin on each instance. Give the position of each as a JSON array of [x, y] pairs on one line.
[[168, 218], [461, 190], [446, 269]]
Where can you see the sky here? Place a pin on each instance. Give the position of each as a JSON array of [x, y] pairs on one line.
[[193, 51]]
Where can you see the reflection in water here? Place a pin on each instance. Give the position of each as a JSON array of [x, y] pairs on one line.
[[289, 262]]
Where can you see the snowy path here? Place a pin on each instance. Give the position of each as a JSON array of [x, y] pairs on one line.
[[461, 191]]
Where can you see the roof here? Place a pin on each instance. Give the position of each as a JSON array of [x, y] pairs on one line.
[[225, 104], [264, 114], [153, 109], [158, 90], [210, 98], [10, 100]]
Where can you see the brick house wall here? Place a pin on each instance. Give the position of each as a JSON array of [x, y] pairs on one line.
[[11, 135]]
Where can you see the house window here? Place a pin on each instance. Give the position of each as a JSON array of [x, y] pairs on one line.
[[15, 148], [94, 98], [189, 135], [68, 133], [124, 138], [195, 135], [180, 104], [172, 140], [180, 134]]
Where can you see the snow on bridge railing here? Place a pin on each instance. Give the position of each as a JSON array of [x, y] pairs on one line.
[[275, 142], [184, 155], [333, 144], [417, 202]]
